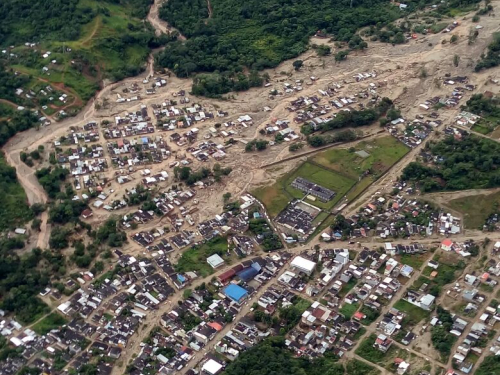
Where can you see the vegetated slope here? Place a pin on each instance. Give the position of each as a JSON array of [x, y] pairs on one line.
[[88, 39], [39, 20], [13, 202], [259, 34], [457, 164]]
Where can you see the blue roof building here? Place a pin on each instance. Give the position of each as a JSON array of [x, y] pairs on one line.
[[236, 293], [247, 274]]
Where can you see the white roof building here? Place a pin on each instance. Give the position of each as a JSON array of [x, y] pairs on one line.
[[303, 265], [212, 367], [215, 261]]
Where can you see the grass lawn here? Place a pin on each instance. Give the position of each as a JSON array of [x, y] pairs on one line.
[[195, 258], [486, 288], [347, 287], [337, 169], [416, 261], [368, 352], [348, 310], [277, 196], [50, 322], [427, 271], [356, 367], [482, 128], [361, 332], [383, 153], [414, 314], [476, 209]]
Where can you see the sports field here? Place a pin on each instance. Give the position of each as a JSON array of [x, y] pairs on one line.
[[345, 171]]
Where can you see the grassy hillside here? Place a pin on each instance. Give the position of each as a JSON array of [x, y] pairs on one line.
[[89, 40]]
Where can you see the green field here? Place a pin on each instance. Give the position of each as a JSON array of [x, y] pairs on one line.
[[415, 261], [348, 310], [368, 352], [475, 209], [50, 322], [414, 313], [195, 258], [337, 169], [482, 128], [383, 153]]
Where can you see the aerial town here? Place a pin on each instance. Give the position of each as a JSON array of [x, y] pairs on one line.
[[343, 215]]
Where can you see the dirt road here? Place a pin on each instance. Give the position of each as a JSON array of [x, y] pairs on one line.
[[160, 25]]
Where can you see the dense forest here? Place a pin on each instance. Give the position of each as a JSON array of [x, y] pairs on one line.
[[14, 205], [483, 106], [490, 365], [21, 280], [271, 357], [470, 163]]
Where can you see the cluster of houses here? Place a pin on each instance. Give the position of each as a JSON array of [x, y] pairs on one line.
[[170, 117], [298, 217], [103, 313], [412, 133], [454, 98], [76, 135], [397, 216], [172, 207], [461, 248], [471, 343], [203, 151]]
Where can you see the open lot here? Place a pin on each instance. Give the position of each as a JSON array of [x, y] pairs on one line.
[[414, 314], [378, 156], [368, 352], [195, 259], [50, 322], [475, 209]]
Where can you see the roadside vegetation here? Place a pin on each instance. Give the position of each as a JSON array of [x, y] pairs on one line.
[[491, 58]]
